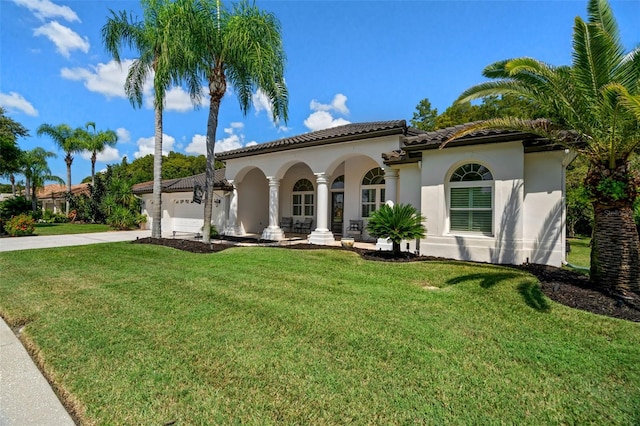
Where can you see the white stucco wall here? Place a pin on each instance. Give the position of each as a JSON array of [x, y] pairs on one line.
[[182, 215], [527, 196]]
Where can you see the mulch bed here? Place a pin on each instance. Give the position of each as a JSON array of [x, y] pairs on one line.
[[561, 285]]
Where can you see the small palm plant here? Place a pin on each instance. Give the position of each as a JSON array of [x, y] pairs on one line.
[[396, 223]]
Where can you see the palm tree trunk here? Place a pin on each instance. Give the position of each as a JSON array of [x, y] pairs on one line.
[[68, 159], [217, 88], [156, 226], [94, 158], [27, 186], [12, 179], [615, 251]]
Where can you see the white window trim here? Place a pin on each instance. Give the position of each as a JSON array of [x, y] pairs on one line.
[[471, 184]]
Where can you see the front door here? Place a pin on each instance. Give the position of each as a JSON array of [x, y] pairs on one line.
[[337, 210]]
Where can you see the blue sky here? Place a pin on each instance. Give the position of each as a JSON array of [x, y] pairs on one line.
[[347, 61]]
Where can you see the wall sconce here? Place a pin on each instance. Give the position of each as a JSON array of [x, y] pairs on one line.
[[217, 201]]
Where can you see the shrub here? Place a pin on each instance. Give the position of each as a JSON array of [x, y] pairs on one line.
[[20, 225], [14, 207], [122, 218], [397, 223]]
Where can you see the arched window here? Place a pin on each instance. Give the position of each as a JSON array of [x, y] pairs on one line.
[[372, 191], [303, 198], [338, 183], [471, 199]]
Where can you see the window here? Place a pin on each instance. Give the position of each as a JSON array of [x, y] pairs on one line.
[[471, 199], [373, 195], [338, 183], [303, 198]]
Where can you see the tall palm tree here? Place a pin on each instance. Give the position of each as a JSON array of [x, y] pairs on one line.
[[241, 47], [96, 142], [36, 172], [596, 105], [156, 38], [67, 140]]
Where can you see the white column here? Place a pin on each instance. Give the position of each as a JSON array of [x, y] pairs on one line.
[[232, 227], [273, 231], [391, 194], [321, 235]]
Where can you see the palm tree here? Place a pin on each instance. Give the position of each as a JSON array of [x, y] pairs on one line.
[[96, 142], [10, 152], [67, 140], [160, 48], [396, 223], [241, 47], [596, 105], [36, 172]]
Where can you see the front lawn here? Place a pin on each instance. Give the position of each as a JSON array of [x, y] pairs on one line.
[[69, 228], [580, 254], [142, 334]]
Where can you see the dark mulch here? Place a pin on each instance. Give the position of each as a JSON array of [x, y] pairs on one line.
[[561, 285]]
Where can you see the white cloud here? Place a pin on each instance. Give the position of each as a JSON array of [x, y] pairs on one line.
[[107, 155], [146, 146], [123, 135], [233, 140], [338, 104], [322, 115], [320, 120], [64, 38], [107, 79], [177, 99], [261, 103], [44, 9], [16, 102]]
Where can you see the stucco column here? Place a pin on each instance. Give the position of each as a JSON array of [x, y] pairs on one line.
[[232, 227], [391, 184], [390, 194], [273, 231], [321, 235]]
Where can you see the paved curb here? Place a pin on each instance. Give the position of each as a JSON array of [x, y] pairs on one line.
[[25, 395]]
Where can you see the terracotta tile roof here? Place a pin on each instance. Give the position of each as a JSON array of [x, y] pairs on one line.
[[184, 184], [58, 191], [347, 132]]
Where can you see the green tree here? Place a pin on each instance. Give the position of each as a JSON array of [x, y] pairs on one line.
[[425, 117], [10, 152], [397, 223], [160, 44], [95, 142], [67, 140], [241, 47], [36, 172], [595, 110]]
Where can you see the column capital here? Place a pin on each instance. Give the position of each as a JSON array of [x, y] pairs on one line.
[[321, 178], [390, 173], [273, 181]]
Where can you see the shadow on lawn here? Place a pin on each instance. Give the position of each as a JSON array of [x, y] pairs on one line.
[[530, 292]]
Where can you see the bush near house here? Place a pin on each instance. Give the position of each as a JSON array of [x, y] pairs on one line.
[[20, 225], [396, 223]]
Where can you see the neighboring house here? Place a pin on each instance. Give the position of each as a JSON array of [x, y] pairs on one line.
[[180, 213], [53, 197], [493, 196]]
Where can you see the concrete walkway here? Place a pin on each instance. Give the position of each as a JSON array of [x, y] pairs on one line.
[[48, 241], [25, 395]]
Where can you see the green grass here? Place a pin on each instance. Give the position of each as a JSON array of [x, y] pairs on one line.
[[141, 334], [580, 254], [69, 228]]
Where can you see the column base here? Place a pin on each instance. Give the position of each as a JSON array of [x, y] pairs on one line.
[[233, 231], [274, 234], [384, 244], [321, 238]]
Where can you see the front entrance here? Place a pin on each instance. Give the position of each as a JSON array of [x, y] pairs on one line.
[[337, 212]]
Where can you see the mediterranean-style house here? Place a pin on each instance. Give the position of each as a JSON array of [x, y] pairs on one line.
[[54, 197], [493, 196]]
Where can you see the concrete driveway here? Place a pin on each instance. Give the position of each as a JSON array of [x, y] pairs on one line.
[[49, 241]]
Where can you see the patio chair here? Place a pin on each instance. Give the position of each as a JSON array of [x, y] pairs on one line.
[[286, 224], [355, 229], [305, 226]]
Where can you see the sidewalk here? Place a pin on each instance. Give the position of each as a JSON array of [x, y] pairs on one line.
[[25, 395], [49, 241]]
